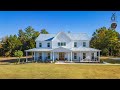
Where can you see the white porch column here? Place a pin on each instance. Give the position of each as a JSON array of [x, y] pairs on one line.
[[79, 56], [26, 57], [68, 56], [71, 56], [99, 56], [43, 56], [53, 57], [34, 56]]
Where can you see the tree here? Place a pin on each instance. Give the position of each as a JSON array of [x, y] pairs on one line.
[[18, 54], [106, 40], [27, 37], [43, 31], [11, 44]]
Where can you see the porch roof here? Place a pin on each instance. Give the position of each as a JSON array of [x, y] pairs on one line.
[[84, 49], [38, 49], [62, 49]]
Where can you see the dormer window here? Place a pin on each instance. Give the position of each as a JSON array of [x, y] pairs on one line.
[[40, 44], [84, 44], [75, 44], [48, 44]]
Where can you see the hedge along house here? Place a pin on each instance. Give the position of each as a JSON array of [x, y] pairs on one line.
[[64, 47]]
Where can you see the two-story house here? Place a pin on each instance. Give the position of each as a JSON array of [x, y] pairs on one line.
[[64, 46]]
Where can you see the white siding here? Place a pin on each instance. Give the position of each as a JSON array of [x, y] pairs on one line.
[[61, 38], [44, 44]]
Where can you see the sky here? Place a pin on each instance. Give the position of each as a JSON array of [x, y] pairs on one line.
[[56, 21]]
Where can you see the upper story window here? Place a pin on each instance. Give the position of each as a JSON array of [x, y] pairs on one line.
[[48, 44], [40, 44], [84, 44], [75, 44], [58, 43], [61, 43]]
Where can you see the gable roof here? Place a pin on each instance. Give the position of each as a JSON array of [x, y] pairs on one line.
[[72, 36], [62, 34]]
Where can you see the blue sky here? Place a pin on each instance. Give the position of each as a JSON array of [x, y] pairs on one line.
[[55, 21]]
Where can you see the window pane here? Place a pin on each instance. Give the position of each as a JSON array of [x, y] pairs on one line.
[[64, 43], [75, 44], [40, 44], [84, 44], [48, 44], [48, 55], [75, 55], [58, 43], [84, 55]]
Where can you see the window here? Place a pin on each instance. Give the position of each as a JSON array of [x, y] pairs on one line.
[[48, 44], [61, 43], [40, 55], [58, 43], [75, 44], [97, 53], [75, 55], [48, 56], [84, 55], [40, 44], [64, 43], [92, 55], [84, 44]]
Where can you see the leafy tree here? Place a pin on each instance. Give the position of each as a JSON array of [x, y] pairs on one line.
[[18, 54], [27, 37], [11, 44], [106, 40], [43, 31]]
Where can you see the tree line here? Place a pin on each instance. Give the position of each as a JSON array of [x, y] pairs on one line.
[[25, 39], [107, 40]]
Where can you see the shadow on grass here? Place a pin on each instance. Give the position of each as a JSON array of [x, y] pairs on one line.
[[12, 61]]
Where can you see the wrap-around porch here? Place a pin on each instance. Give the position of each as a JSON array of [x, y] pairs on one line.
[[64, 54]]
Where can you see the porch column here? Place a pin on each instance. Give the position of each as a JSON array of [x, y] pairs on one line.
[[26, 57], [71, 56], [99, 56], [34, 56], [53, 56], [79, 56], [94, 56], [68, 56], [43, 56]]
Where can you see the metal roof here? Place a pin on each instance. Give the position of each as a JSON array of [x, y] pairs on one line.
[[84, 49], [72, 36]]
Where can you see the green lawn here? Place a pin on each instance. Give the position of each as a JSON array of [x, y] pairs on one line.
[[59, 71]]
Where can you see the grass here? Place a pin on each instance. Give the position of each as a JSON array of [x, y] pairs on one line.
[[57, 71], [9, 70]]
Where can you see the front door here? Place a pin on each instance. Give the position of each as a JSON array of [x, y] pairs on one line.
[[61, 56]]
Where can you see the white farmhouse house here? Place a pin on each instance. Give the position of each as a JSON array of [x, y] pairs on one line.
[[64, 46]]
